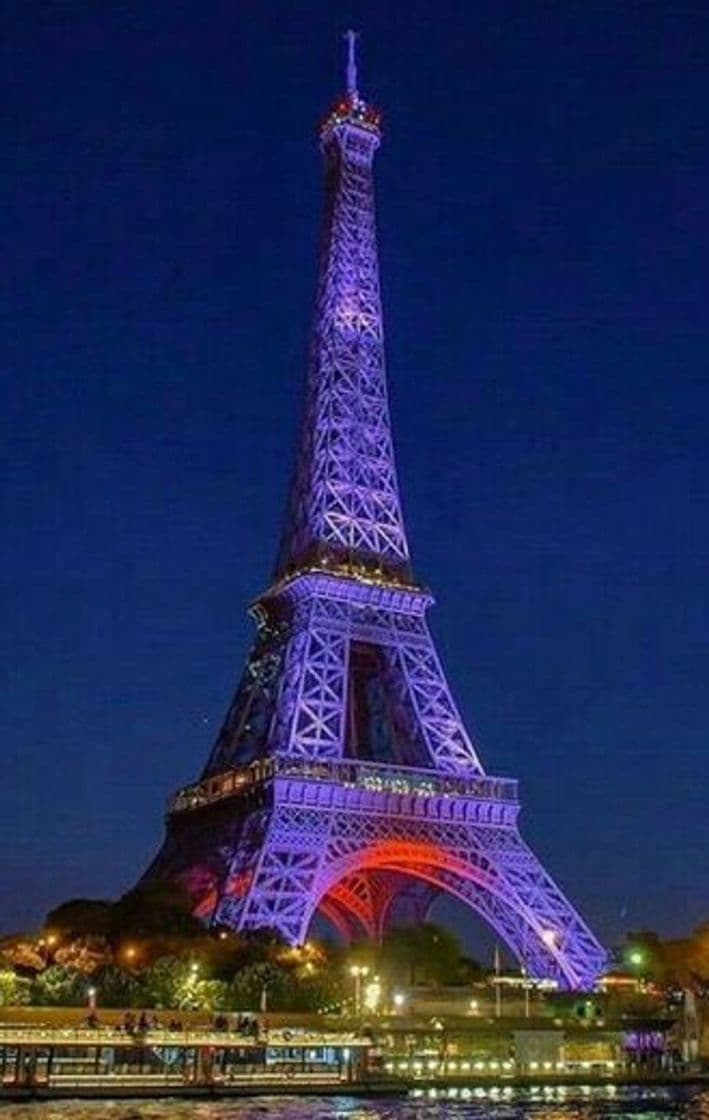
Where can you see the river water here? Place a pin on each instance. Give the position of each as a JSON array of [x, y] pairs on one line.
[[600, 1103]]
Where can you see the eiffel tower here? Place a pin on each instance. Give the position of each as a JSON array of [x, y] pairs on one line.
[[343, 781]]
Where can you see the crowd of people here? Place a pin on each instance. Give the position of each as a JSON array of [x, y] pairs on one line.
[[243, 1024]]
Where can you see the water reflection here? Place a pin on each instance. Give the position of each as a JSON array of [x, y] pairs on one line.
[[503, 1102]]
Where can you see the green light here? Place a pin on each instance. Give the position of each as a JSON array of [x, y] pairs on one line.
[[636, 957]]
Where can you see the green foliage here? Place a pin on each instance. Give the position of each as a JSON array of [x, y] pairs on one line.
[[172, 983], [118, 987], [320, 992], [15, 991], [59, 987], [248, 984]]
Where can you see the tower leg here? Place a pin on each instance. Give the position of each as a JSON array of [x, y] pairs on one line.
[[272, 882]]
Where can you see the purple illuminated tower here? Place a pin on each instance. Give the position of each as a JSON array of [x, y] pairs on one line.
[[343, 780]]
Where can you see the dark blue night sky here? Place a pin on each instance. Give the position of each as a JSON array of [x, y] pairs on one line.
[[544, 236]]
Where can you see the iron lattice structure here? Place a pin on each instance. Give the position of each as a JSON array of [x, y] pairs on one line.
[[343, 780]]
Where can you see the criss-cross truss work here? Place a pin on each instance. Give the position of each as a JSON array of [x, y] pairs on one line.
[[343, 781]]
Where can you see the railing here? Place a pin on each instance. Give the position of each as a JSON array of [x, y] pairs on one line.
[[19, 1034], [346, 772]]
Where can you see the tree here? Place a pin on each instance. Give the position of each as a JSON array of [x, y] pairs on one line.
[[83, 954], [24, 957], [319, 992], [15, 991], [59, 987], [682, 960], [118, 987], [154, 910], [423, 952], [246, 989], [179, 984], [150, 910], [81, 917]]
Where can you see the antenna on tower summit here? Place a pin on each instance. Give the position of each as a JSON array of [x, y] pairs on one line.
[[351, 37]]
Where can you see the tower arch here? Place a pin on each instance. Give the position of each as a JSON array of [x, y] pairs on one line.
[[539, 948]]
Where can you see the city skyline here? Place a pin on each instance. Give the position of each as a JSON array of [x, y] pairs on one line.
[[129, 480]]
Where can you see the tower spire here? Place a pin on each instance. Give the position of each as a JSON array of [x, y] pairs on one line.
[[351, 37], [345, 510]]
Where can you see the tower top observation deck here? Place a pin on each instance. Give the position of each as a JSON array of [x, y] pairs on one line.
[[351, 108]]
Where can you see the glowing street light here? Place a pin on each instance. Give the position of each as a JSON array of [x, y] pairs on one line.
[[474, 1007], [398, 999], [636, 957], [91, 998]]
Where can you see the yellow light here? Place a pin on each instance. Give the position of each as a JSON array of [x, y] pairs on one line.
[[372, 994]]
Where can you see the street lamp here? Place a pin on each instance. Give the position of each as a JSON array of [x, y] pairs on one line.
[[637, 958], [398, 999], [91, 998]]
